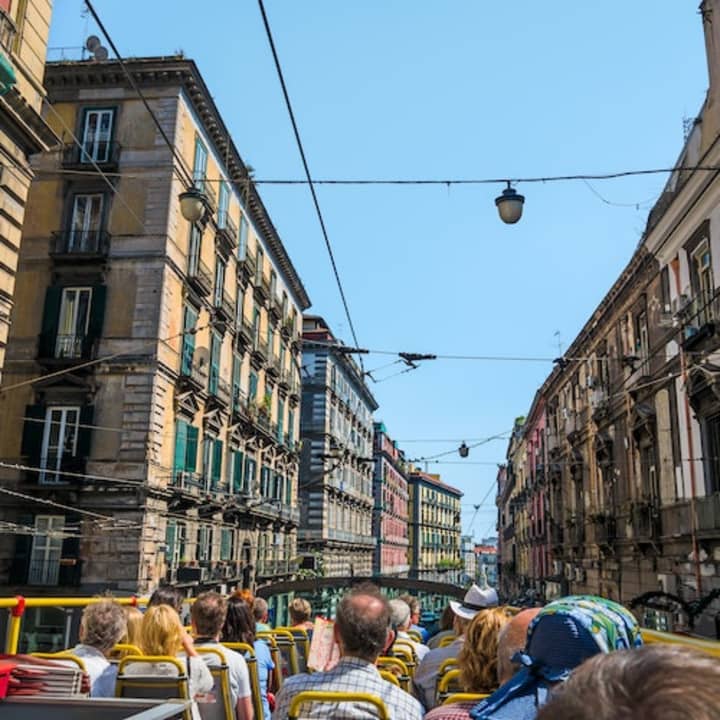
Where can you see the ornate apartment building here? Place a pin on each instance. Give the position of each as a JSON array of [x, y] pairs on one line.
[[612, 485], [336, 476], [24, 29], [434, 529], [168, 435], [390, 517]]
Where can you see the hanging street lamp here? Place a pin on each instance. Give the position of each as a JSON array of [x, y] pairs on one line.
[[510, 205], [463, 450]]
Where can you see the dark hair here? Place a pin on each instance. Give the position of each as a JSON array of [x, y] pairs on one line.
[[167, 595], [655, 682], [363, 619], [208, 613], [446, 619], [239, 624]]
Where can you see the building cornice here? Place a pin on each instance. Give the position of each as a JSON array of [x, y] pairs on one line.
[[183, 73]]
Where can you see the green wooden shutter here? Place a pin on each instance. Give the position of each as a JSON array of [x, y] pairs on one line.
[[214, 363], [85, 433], [237, 472], [252, 386], [192, 448], [50, 319], [188, 343], [20, 564], [217, 463], [97, 312], [170, 529], [33, 432], [288, 490], [181, 437], [225, 543]]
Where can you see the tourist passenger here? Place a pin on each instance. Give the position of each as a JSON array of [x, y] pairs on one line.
[[168, 595], [260, 613], [426, 675], [101, 626], [134, 618], [511, 641], [163, 634], [477, 662], [362, 631], [300, 612], [562, 636], [400, 619], [240, 627], [445, 628], [656, 682], [415, 612], [208, 615]]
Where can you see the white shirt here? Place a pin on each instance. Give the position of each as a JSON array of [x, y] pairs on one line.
[[426, 674], [420, 650], [102, 673], [238, 674]]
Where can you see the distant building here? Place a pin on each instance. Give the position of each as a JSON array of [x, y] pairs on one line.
[[487, 563], [390, 519], [467, 554], [336, 468], [434, 529]]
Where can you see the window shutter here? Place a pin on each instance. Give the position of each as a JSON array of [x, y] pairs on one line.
[[20, 564], [237, 471], [33, 432], [288, 490], [192, 448], [181, 438], [97, 312], [69, 574], [85, 433], [50, 319], [169, 541], [249, 473], [225, 543], [217, 463]]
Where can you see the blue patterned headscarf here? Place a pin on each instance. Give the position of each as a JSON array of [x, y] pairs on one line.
[[562, 636]]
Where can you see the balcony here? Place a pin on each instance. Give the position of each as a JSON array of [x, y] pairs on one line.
[[240, 406], [247, 266], [104, 154], [273, 366], [275, 307], [66, 348], [78, 245], [7, 31], [699, 317], [227, 230], [645, 521], [262, 288], [605, 528], [219, 391], [224, 307], [260, 351], [199, 276], [193, 376], [187, 483], [245, 335]]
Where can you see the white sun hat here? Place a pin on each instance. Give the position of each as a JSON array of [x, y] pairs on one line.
[[475, 600]]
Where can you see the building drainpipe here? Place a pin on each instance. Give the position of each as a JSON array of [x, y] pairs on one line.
[[675, 265]]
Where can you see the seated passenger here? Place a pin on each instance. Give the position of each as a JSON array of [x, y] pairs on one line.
[[102, 625], [477, 663], [400, 618], [415, 612], [300, 613], [426, 675], [133, 635], [362, 631], [163, 634], [168, 595], [240, 627], [511, 641], [208, 617], [260, 613], [562, 636], [445, 628], [656, 682]]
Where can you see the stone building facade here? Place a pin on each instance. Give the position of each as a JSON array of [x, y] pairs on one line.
[[390, 518], [629, 468], [336, 477], [168, 436], [434, 528], [24, 29]]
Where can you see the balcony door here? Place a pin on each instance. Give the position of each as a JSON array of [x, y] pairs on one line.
[[59, 443], [86, 223], [97, 132], [46, 550], [73, 323]]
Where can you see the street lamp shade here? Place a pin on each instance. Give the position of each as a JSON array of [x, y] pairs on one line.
[[510, 205], [464, 450], [192, 204]]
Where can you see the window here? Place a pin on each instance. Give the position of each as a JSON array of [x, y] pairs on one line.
[[259, 266], [280, 419], [711, 451], [284, 305], [186, 444], [239, 303], [215, 345], [219, 281], [60, 441], [702, 280], [242, 238], [237, 482], [273, 284], [642, 347], [194, 250], [256, 325], [188, 342], [97, 133], [250, 470], [226, 544], [85, 223], [46, 550], [253, 386], [236, 376], [175, 539], [203, 549], [73, 323], [212, 463], [200, 165], [223, 204]]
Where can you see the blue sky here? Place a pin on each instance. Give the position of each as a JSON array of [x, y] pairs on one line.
[[436, 90]]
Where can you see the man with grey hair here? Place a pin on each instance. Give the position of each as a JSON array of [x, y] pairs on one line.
[[400, 619], [102, 625], [260, 613], [362, 631]]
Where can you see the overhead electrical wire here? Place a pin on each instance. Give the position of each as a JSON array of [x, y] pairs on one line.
[[308, 177]]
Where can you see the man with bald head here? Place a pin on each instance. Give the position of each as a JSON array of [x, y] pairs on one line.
[[362, 632], [511, 640]]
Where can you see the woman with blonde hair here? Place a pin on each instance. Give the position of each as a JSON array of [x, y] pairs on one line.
[[300, 612], [163, 634], [477, 662], [133, 635]]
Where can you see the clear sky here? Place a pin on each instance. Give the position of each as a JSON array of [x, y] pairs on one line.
[[444, 90]]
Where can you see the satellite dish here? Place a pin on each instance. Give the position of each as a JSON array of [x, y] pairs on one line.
[[101, 53], [92, 43]]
